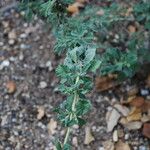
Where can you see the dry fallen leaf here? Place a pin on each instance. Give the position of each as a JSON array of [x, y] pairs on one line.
[[88, 136], [112, 119], [131, 28], [108, 145], [41, 112], [146, 130], [74, 8], [122, 146], [105, 83], [137, 102], [135, 114], [11, 87], [52, 125]]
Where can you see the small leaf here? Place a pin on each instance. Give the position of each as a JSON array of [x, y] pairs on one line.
[[57, 144], [82, 107]]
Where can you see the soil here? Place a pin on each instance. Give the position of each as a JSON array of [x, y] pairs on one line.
[[30, 62]]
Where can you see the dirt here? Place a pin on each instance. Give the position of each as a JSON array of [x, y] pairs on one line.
[[31, 62]]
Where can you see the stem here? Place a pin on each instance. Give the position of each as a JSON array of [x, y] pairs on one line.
[[73, 109]]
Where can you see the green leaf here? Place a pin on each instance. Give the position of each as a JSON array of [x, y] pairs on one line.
[[89, 55], [67, 147], [57, 144], [82, 107]]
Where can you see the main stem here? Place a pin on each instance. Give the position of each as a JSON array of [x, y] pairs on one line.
[[73, 109]]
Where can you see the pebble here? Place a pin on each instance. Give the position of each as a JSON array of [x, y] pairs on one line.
[[126, 137], [12, 35], [101, 148], [1, 43], [49, 65], [24, 46], [144, 92], [5, 63], [142, 147], [43, 84], [115, 136], [23, 35], [11, 42], [75, 141]]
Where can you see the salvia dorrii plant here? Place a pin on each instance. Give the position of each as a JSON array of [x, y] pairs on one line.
[[79, 37]]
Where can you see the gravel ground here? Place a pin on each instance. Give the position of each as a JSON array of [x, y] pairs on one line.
[[27, 59]]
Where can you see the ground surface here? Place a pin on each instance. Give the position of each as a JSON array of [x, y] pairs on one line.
[[27, 58]]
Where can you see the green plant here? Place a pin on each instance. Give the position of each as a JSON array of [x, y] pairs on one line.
[[75, 83], [79, 37]]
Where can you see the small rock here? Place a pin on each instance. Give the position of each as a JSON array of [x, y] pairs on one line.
[[112, 118], [88, 136], [122, 109], [11, 87], [126, 137], [52, 125], [4, 64], [1, 43], [101, 148], [12, 35], [43, 84], [134, 125], [23, 35], [41, 112], [75, 141], [144, 92], [49, 65], [24, 46], [108, 145], [115, 136], [142, 147], [11, 42]]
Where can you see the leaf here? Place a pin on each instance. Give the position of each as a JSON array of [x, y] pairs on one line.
[[57, 144], [106, 82], [67, 147], [137, 102], [135, 114], [52, 125], [41, 112], [74, 8], [112, 119], [89, 55], [82, 107], [146, 130], [88, 136], [122, 146], [11, 87]]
